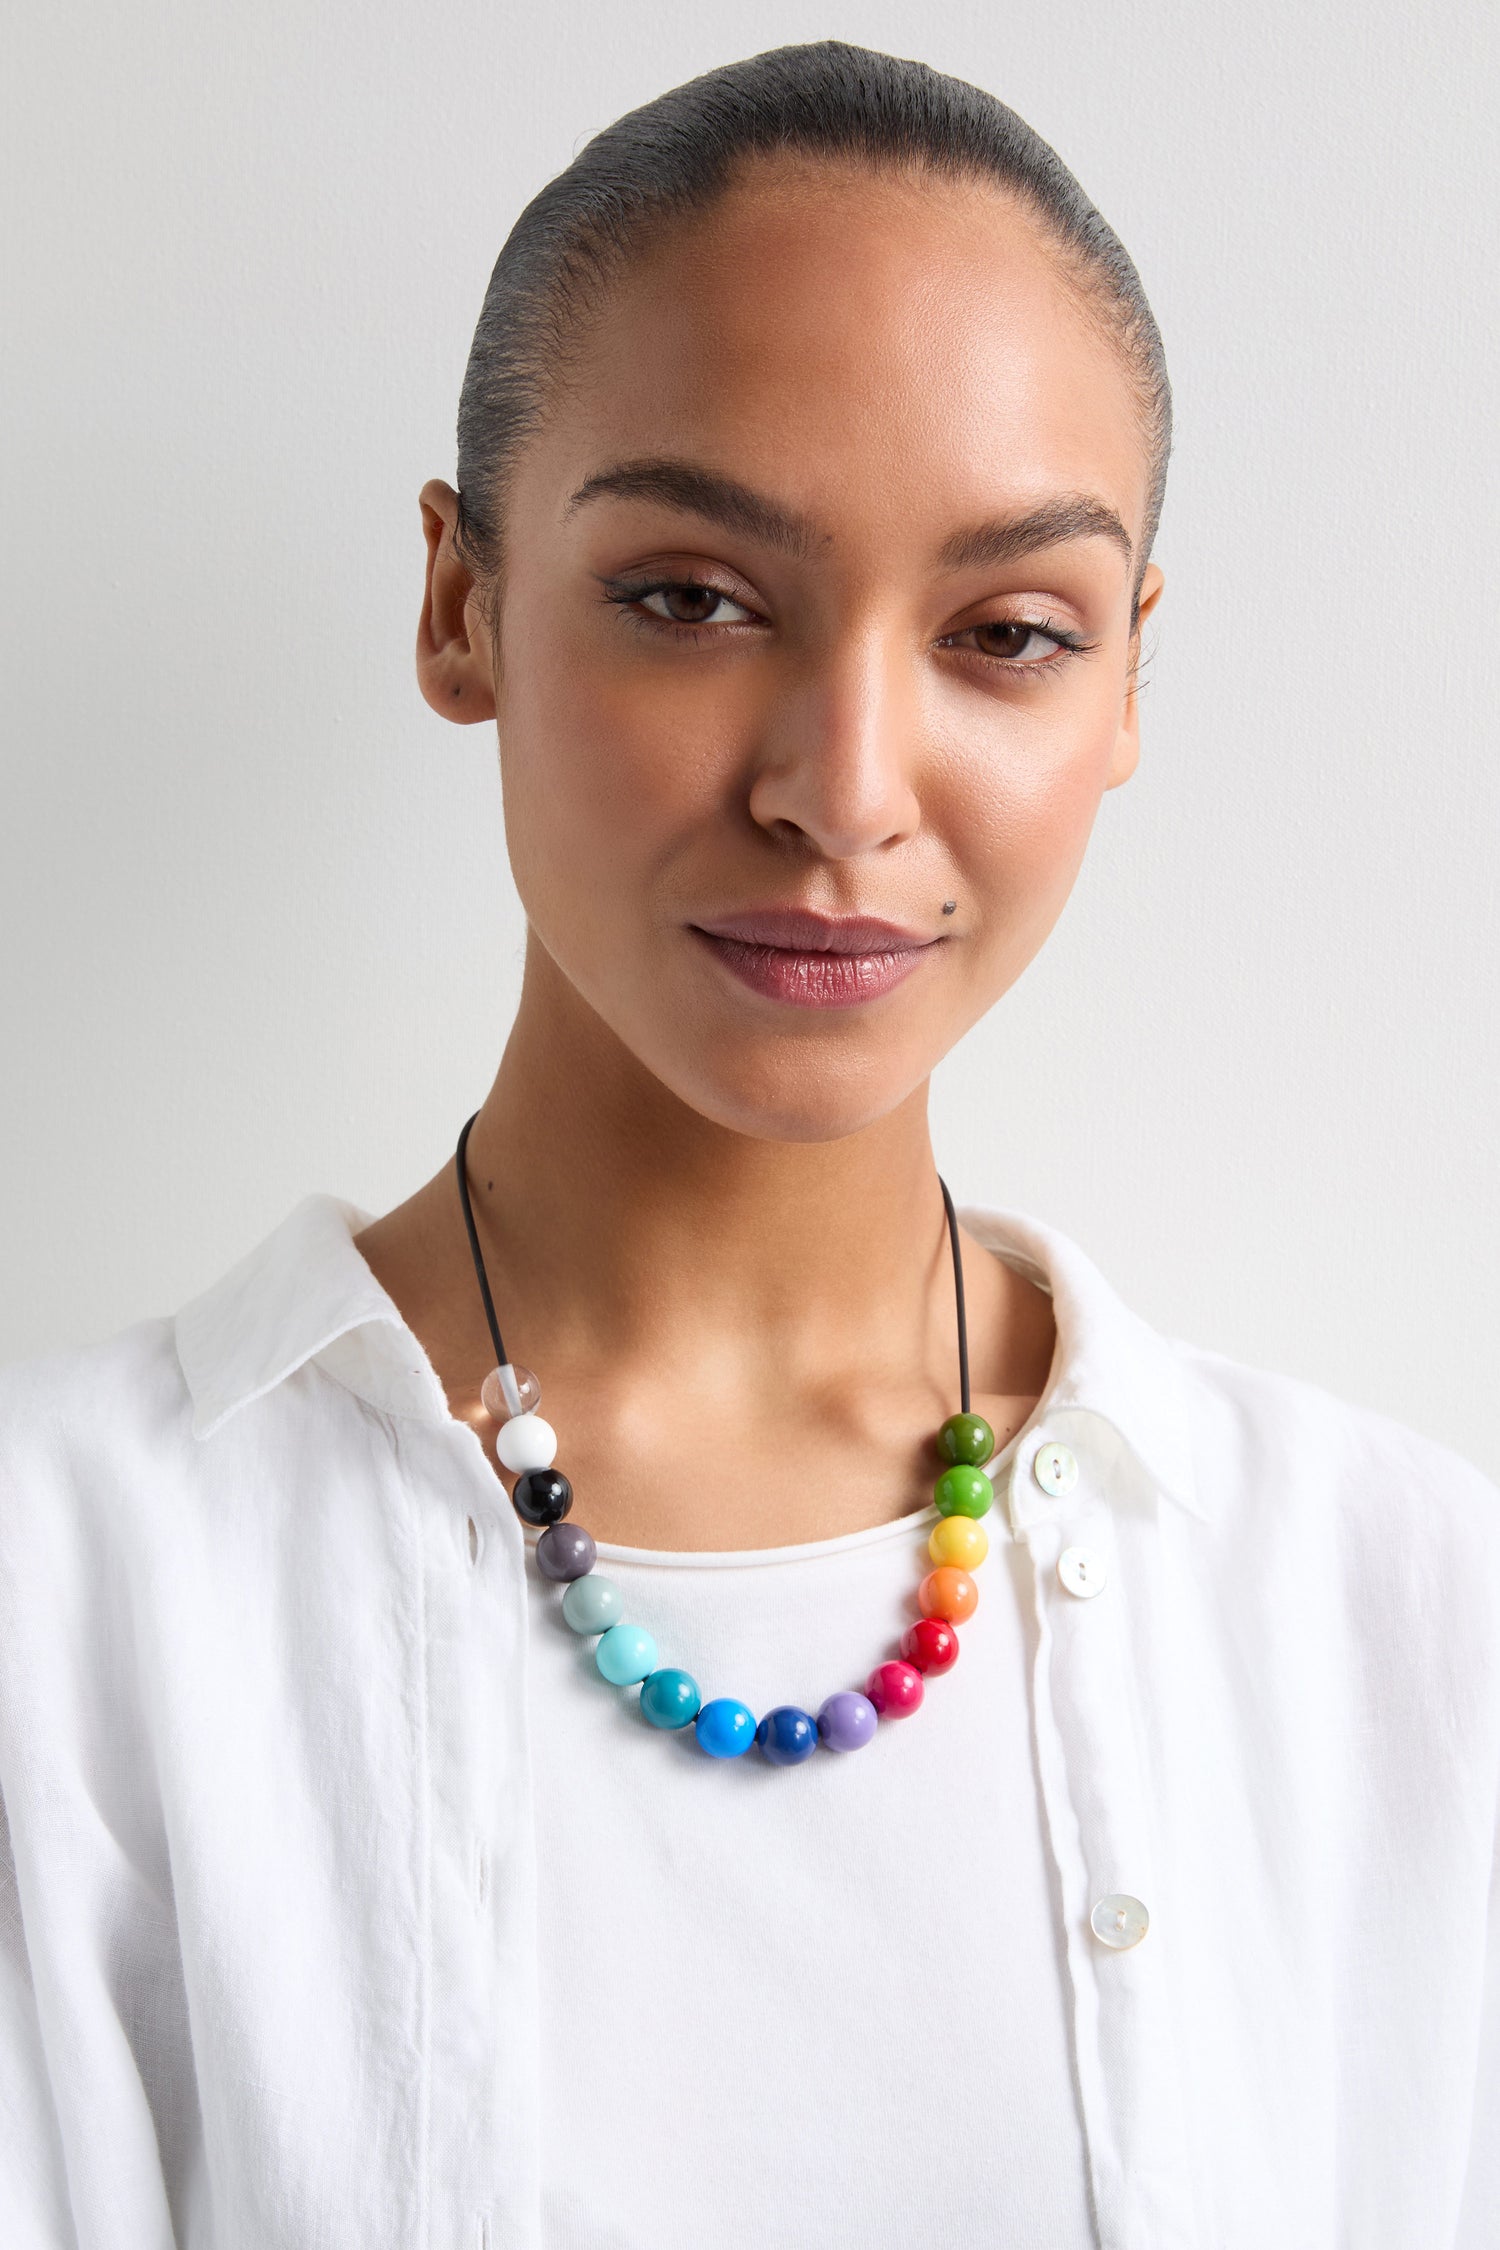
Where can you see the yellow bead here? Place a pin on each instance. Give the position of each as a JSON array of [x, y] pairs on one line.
[[958, 1540]]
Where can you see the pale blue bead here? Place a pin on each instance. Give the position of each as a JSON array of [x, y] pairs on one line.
[[626, 1653], [592, 1604]]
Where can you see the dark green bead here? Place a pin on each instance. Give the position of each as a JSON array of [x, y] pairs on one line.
[[963, 1491], [966, 1440]]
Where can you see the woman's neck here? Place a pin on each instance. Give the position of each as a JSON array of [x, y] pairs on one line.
[[623, 1215], [687, 1294]]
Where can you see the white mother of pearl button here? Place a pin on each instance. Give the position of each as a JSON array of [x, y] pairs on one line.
[[1083, 1570], [1119, 1921], [526, 1442], [1055, 1470]]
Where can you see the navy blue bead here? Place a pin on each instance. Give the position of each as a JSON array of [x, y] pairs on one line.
[[787, 1735]]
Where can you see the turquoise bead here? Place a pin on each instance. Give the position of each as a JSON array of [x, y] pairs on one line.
[[670, 1698], [626, 1653], [592, 1604], [725, 1728]]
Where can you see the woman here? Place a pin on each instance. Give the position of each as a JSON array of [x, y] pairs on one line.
[[811, 452]]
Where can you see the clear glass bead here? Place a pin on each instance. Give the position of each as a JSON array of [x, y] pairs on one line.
[[492, 1393]]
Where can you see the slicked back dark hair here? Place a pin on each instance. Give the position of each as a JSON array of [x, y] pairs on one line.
[[679, 153]]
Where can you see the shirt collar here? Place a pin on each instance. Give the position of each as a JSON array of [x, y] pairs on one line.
[[305, 1293], [1108, 1361]]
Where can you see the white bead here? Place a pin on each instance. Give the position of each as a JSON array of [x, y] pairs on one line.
[[526, 1442]]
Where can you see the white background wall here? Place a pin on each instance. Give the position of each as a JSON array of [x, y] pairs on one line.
[[258, 933]]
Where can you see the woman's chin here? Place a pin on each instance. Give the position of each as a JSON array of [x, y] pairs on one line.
[[804, 1102]]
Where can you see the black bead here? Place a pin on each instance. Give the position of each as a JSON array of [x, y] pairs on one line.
[[542, 1496]]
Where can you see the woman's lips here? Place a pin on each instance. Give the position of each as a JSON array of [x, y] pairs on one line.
[[814, 960]]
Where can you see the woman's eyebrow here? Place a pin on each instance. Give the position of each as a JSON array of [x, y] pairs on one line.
[[701, 492], [1074, 515], [723, 500]]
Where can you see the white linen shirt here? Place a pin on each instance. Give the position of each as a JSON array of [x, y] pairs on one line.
[[268, 1912]]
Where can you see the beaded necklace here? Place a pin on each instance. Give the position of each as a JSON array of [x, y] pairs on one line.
[[626, 1654]]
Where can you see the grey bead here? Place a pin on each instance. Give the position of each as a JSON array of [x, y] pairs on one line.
[[565, 1550]]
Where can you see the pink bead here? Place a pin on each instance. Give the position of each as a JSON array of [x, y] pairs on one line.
[[895, 1689]]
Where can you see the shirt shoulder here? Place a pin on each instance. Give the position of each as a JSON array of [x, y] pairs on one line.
[[95, 1402], [1277, 1451], [92, 1441]]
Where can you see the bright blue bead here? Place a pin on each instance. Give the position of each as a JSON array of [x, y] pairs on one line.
[[670, 1698], [626, 1653], [787, 1735], [725, 1729], [592, 1604]]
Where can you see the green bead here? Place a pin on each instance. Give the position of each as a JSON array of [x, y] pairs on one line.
[[966, 1439], [963, 1491]]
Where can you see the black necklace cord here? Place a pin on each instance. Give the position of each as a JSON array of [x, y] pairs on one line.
[[501, 1359], [958, 1292], [503, 1362]]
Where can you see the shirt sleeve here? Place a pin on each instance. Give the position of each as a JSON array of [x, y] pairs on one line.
[[1479, 2219], [34, 2211]]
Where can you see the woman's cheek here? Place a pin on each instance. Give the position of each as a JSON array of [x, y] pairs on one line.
[[601, 795], [1019, 826], [630, 750]]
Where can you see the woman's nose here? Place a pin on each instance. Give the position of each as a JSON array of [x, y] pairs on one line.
[[838, 760]]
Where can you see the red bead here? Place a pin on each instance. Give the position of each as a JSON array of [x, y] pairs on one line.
[[894, 1689], [931, 1645]]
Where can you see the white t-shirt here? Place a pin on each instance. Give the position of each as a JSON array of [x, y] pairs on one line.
[[836, 1989]]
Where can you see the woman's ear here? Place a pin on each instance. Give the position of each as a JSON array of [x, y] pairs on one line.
[[454, 654], [1127, 750]]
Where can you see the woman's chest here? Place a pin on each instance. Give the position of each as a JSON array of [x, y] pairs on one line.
[[819, 2001]]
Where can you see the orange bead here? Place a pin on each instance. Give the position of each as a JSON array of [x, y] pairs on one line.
[[948, 1593]]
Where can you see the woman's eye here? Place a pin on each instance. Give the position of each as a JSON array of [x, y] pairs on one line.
[[1022, 644], [1014, 641], [687, 604]]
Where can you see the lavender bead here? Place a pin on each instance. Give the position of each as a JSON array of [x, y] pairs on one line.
[[565, 1550], [846, 1720]]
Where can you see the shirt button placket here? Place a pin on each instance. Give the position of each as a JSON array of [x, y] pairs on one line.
[[1094, 1791], [484, 2129]]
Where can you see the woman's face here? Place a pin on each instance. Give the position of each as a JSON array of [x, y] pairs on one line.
[[815, 615]]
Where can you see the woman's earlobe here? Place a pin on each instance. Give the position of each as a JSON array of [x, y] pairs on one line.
[[453, 647], [1127, 750]]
